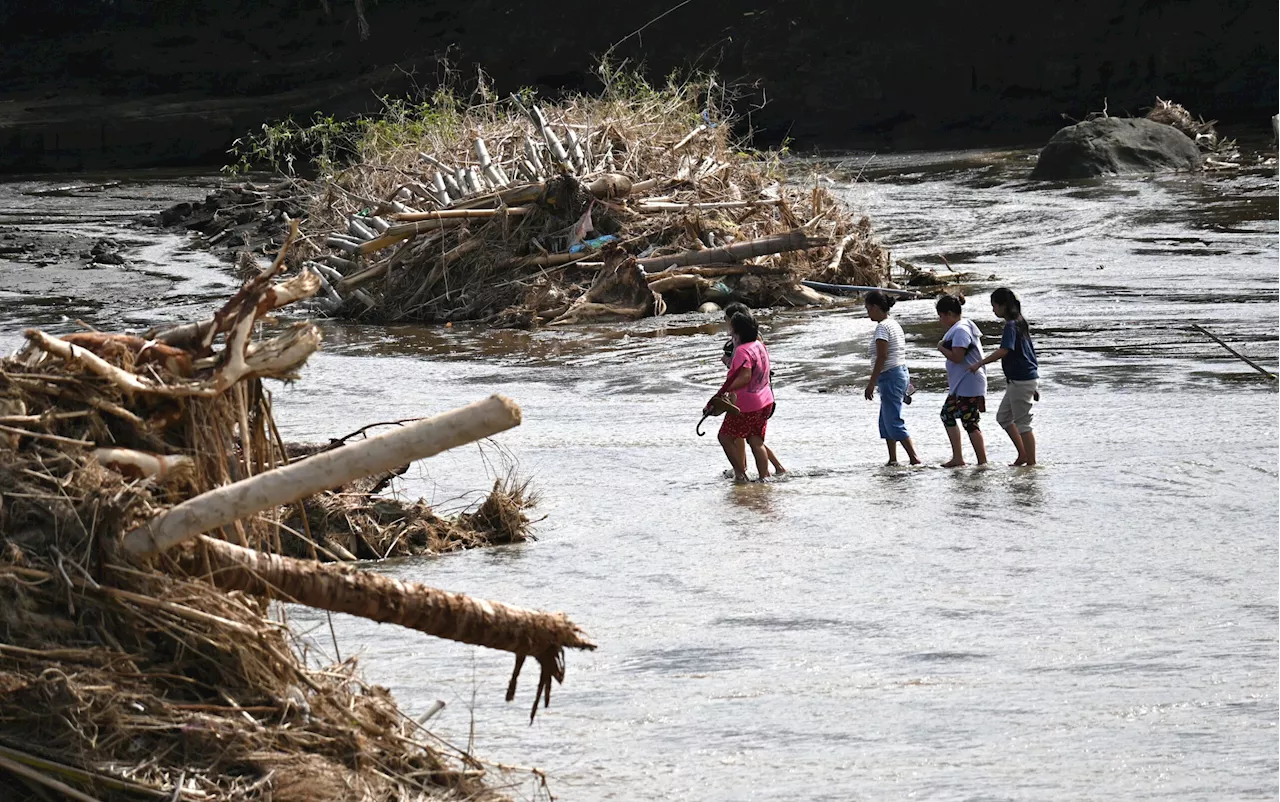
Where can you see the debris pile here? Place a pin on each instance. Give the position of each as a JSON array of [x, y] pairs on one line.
[[1219, 153], [599, 208], [141, 489]]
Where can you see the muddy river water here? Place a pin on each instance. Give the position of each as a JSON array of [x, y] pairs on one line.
[[1103, 626]]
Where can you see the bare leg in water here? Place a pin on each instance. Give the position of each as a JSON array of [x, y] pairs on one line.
[[907, 445], [761, 453], [957, 457], [773, 460], [1025, 443], [736, 452], [979, 446]]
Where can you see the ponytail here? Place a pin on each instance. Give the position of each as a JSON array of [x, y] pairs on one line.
[[1006, 300]]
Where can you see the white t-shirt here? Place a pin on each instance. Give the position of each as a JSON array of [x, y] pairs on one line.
[[965, 334], [891, 332]]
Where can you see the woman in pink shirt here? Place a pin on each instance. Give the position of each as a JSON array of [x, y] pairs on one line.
[[748, 380]]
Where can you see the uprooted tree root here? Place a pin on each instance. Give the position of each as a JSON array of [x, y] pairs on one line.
[[159, 673]]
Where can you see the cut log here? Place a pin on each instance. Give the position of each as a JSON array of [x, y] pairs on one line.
[[275, 488], [794, 240], [385, 599]]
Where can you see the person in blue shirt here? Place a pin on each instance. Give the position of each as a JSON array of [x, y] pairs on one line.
[[1017, 355]]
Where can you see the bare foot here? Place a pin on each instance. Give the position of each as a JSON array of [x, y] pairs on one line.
[[953, 463], [740, 479], [893, 463], [1018, 463], [916, 462]]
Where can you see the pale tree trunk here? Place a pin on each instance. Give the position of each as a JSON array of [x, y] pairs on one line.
[[229, 503]]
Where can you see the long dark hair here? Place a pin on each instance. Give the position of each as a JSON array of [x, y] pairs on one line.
[[879, 300], [736, 308], [744, 326], [950, 304], [1006, 300]]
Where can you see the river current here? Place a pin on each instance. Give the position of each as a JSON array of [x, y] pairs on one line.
[[1103, 626]]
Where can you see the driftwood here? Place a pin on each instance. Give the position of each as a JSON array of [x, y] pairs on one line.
[[619, 291], [377, 597], [716, 271], [1234, 352], [224, 505], [794, 240]]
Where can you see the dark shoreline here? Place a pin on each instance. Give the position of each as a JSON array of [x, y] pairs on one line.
[[90, 85]]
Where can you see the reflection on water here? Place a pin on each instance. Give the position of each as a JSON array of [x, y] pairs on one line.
[[1100, 627]]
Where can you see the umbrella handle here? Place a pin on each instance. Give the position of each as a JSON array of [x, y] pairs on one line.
[[698, 428]]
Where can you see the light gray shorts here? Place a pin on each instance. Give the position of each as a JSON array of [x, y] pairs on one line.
[[1015, 407]]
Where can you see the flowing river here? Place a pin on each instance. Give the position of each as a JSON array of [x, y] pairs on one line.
[[1103, 626]]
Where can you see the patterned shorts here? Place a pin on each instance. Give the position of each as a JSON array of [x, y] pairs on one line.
[[964, 408], [746, 424]]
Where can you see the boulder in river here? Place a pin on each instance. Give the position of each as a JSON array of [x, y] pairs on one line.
[[1113, 146]]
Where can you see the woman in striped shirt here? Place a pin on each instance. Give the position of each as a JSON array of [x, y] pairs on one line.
[[889, 373]]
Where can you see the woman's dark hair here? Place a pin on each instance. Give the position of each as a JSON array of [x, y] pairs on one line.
[[736, 308], [950, 304], [745, 327], [880, 300], [1006, 300]]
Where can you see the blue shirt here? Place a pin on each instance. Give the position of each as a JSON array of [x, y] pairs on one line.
[[1020, 364]]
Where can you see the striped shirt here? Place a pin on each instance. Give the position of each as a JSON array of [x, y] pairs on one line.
[[891, 332]]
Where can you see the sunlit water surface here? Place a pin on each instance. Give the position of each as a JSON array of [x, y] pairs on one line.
[[1101, 627]]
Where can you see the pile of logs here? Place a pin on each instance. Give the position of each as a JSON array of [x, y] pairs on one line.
[[517, 228]]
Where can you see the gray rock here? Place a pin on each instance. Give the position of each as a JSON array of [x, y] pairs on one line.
[[1115, 146]]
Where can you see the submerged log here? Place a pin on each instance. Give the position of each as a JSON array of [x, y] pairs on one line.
[[229, 503]]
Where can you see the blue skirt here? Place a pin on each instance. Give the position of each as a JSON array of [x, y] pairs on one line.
[[893, 388]]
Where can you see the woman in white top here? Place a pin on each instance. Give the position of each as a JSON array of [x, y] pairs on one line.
[[889, 373]]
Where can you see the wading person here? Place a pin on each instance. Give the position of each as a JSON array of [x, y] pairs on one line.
[[1017, 355], [889, 374], [966, 389], [732, 309], [748, 380]]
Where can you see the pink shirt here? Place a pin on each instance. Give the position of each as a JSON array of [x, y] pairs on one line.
[[757, 395]]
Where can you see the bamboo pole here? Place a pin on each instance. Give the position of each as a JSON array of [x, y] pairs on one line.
[[794, 240], [275, 488], [657, 208], [1234, 352], [405, 231], [455, 214], [712, 271]]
